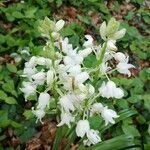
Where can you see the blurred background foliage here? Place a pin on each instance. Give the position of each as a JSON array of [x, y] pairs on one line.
[[18, 31]]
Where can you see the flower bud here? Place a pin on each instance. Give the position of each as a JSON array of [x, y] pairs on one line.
[[119, 34], [50, 77], [112, 27], [103, 31], [59, 25], [111, 45]]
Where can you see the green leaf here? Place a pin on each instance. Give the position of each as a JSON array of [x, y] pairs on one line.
[[12, 68], [67, 31], [30, 12], [27, 134], [15, 124], [3, 95], [4, 121], [117, 143], [130, 130], [9, 87], [17, 14], [146, 99], [58, 138], [28, 114], [95, 122], [10, 100]]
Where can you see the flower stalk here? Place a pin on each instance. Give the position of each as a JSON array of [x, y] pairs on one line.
[[61, 75]]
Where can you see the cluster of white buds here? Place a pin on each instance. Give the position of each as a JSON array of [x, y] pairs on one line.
[[63, 77]]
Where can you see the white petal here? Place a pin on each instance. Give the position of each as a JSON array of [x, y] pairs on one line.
[[111, 45], [120, 57], [93, 136], [59, 25], [81, 78], [50, 77], [66, 103], [85, 52], [43, 100], [66, 118], [82, 128]]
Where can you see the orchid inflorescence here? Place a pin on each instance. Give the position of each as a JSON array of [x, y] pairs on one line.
[[62, 77]]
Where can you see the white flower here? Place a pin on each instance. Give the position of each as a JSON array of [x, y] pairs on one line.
[[39, 78], [89, 42], [120, 57], [109, 90], [96, 108], [73, 60], [74, 70], [40, 113], [81, 78], [40, 61], [16, 57], [31, 63], [84, 53], [66, 118], [93, 137], [57, 27], [123, 67], [48, 62], [28, 89], [25, 51], [110, 31], [28, 72], [50, 77], [104, 68], [111, 45], [43, 100], [66, 103], [64, 45], [86, 90], [82, 128], [108, 115]]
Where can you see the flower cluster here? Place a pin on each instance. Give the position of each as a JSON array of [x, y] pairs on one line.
[[59, 74]]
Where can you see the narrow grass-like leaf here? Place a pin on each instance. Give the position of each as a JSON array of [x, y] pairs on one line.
[[58, 138], [117, 143]]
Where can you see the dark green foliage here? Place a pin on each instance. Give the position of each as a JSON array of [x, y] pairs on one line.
[[18, 29]]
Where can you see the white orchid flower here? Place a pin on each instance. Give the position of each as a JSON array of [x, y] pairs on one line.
[[109, 90], [89, 42], [66, 118], [66, 103], [28, 89], [108, 115], [93, 137], [39, 113], [39, 78], [82, 128], [43, 100]]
